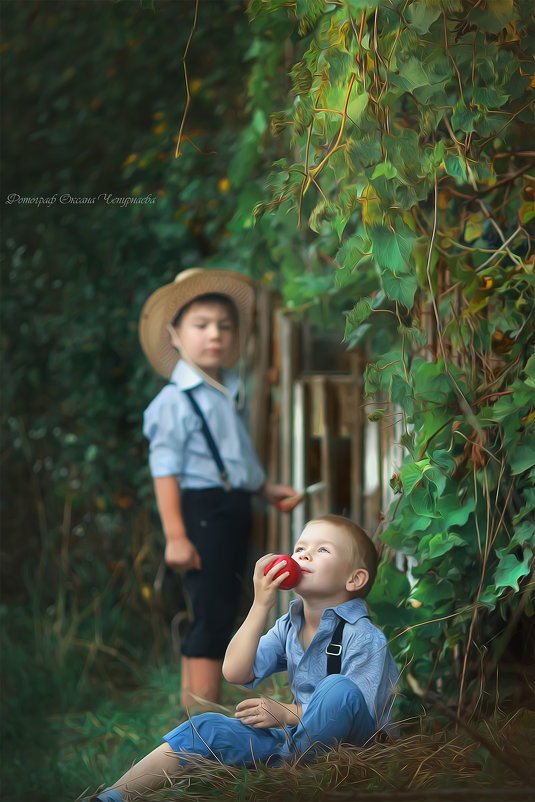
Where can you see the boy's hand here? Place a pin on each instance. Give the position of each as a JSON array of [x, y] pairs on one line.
[[266, 585], [264, 712], [181, 554]]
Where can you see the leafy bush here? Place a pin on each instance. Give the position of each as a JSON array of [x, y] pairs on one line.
[[407, 139]]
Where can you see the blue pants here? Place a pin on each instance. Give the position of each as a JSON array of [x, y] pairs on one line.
[[336, 713]]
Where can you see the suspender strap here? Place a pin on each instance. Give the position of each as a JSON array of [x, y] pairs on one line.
[[334, 649], [210, 442]]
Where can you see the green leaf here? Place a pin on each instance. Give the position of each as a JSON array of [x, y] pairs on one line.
[[358, 6], [489, 597], [400, 288], [493, 17], [453, 512], [433, 546], [474, 227], [357, 106], [430, 591], [529, 370], [443, 460], [523, 458], [524, 533], [489, 97], [393, 249], [423, 501], [351, 252], [410, 75], [463, 118], [421, 15], [413, 473], [511, 569], [529, 505], [385, 168], [390, 588], [360, 312], [456, 167]]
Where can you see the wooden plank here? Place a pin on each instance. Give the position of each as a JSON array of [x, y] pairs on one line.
[[326, 450], [286, 396], [286, 343], [260, 398], [357, 441], [299, 466]]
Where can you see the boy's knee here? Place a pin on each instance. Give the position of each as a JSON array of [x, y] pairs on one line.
[[338, 691], [337, 684]]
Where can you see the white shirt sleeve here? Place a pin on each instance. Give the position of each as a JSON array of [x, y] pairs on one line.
[[164, 427]]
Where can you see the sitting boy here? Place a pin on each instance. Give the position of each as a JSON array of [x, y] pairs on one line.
[[345, 701]]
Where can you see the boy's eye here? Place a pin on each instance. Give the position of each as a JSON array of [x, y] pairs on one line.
[[322, 548], [298, 548]]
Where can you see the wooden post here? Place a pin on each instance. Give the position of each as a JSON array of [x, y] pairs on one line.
[[261, 392], [299, 472], [286, 346], [356, 447]]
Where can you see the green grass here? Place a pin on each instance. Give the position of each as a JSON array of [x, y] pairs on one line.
[[75, 720]]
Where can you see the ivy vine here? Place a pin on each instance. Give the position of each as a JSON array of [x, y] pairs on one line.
[[408, 149]]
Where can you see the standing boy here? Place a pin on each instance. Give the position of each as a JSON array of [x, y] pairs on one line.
[[342, 675], [205, 470]]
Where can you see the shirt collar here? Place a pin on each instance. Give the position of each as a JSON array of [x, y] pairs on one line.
[[350, 610], [186, 377]]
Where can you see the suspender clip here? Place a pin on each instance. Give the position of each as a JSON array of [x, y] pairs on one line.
[[334, 649], [225, 481]]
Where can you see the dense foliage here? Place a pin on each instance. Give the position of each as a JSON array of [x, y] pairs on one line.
[[408, 135], [86, 88]]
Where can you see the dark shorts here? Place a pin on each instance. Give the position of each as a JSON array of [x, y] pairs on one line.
[[218, 522]]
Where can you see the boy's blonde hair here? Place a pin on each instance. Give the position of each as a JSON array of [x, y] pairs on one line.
[[365, 551]]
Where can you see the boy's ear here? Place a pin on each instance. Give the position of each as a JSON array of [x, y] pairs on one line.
[[173, 336], [357, 580]]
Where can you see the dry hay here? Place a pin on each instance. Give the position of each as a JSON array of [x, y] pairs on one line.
[[409, 763]]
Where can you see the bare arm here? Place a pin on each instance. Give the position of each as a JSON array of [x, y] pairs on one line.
[[179, 551], [241, 651]]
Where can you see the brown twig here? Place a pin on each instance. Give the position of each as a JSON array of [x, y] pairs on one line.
[[188, 95], [513, 761]]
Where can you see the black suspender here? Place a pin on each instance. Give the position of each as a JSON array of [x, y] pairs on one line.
[[210, 442], [334, 649]]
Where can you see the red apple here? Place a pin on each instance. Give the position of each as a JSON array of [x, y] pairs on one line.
[[291, 565]]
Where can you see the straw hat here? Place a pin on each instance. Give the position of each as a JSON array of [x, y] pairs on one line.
[[163, 305]]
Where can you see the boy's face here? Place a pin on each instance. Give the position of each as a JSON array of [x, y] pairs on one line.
[[207, 332], [327, 557]]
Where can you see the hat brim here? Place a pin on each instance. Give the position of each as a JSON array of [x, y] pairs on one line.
[[163, 305]]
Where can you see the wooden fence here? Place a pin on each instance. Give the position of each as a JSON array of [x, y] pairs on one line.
[[310, 426]]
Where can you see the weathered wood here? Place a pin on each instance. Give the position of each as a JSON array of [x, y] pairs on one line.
[[299, 464], [286, 395], [260, 397]]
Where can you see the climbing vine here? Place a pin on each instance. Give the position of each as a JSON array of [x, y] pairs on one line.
[[408, 160]]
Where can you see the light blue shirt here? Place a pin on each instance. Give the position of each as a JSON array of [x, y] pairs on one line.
[[177, 444], [366, 659]]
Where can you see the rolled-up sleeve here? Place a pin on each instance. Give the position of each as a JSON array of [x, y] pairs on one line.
[[373, 670], [164, 429], [271, 653]]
